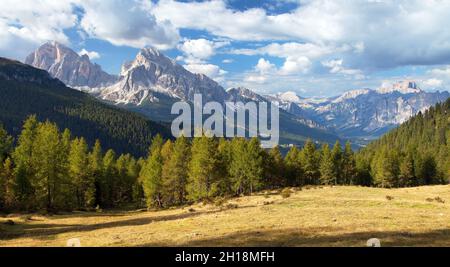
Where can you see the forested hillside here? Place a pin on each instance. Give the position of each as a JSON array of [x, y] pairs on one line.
[[416, 153], [25, 90]]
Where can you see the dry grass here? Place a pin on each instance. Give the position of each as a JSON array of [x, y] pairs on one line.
[[328, 216]]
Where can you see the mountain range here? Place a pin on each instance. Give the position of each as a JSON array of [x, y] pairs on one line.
[[152, 82], [26, 90]]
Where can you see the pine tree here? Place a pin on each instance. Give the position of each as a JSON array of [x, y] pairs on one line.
[[337, 156], [407, 173], [327, 168], [203, 169], [275, 168], [427, 170], [175, 172], [348, 165], [151, 174], [294, 168], [385, 168], [237, 166], [310, 163], [254, 168]]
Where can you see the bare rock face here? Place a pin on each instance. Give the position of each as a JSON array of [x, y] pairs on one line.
[[152, 72], [66, 65]]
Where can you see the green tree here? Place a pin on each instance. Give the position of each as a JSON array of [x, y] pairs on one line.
[[407, 175], [310, 163], [22, 157], [327, 168], [108, 177], [7, 185], [95, 170], [275, 168], [203, 169], [337, 157], [348, 165], [84, 184], [6, 143], [46, 164], [151, 174], [175, 172], [294, 168], [385, 168]]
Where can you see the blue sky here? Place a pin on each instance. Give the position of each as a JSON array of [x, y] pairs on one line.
[[312, 47]]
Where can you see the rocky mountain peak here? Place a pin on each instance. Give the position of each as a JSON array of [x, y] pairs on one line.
[[69, 67]]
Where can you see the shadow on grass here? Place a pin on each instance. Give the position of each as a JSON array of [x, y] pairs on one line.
[[43, 231], [309, 237]]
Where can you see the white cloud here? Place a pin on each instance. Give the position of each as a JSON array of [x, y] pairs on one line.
[[128, 23], [295, 65], [199, 50], [90, 54], [227, 61], [336, 66], [441, 72], [383, 34], [264, 66], [433, 83], [212, 71], [26, 25]]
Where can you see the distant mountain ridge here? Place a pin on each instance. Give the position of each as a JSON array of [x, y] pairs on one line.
[[364, 113]]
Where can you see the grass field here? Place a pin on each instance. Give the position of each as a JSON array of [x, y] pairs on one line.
[[321, 216]]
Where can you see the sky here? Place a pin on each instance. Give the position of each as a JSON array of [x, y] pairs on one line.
[[312, 47]]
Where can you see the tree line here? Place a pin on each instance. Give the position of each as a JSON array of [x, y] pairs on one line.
[[49, 169]]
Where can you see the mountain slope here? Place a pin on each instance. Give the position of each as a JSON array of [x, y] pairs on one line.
[[26, 90], [66, 65], [420, 147]]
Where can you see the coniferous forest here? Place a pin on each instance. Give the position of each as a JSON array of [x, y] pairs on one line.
[[46, 168]]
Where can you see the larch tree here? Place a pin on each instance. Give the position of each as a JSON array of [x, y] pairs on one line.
[[151, 174], [175, 172], [203, 169], [310, 162], [327, 168], [294, 170]]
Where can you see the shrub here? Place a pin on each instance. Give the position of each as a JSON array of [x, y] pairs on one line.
[[389, 197], [286, 193]]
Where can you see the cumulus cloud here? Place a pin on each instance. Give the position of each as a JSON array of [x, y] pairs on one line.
[[212, 71], [90, 54], [383, 34], [129, 23], [336, 66], [433, 83], [26, 25], [199, 50]]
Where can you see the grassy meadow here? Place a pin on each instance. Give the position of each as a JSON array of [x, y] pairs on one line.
[[312, 216]]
